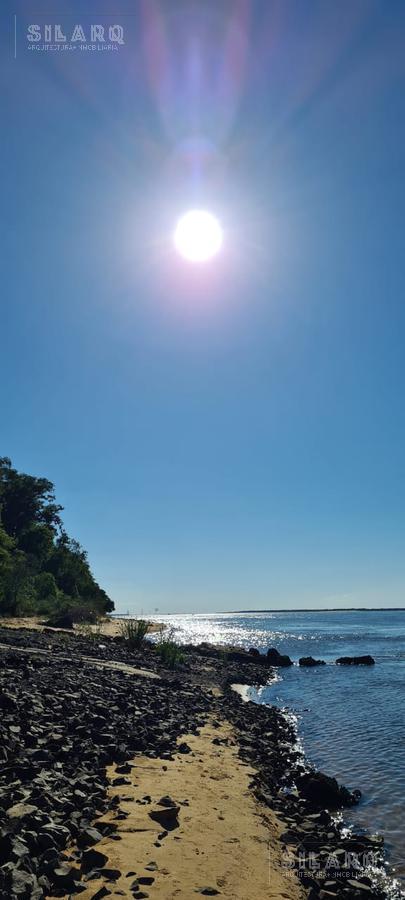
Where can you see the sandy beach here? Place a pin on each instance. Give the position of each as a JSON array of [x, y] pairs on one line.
[[214, 850]]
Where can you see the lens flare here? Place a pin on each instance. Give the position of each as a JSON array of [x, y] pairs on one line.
[[198, 236]]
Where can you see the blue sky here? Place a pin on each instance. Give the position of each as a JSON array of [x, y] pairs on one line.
[[227, 436]]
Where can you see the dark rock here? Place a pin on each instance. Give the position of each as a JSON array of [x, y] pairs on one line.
[[19, 849], [274, 658], [102, 892], [25, 885], [59, 834], [21, 810], [321, 791], [64, 877], [167, 817], [49, 860], [207, 891], [88, 837], [254, 651], [355, 661], [310, 661], [164, 801], [110, 874], [45, 841], [183, 748], [93, 859], [7, 703]]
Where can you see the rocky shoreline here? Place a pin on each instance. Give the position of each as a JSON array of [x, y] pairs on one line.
[[66, 715]]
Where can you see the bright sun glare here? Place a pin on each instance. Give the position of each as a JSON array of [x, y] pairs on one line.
[[198, 235]]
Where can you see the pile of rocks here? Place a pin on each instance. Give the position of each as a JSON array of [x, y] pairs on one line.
[[62, 720], [227, 666], [61, 724]]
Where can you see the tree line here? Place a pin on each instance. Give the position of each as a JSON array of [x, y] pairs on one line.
[[42, 570]]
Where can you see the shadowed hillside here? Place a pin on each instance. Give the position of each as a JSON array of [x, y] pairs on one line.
[[42, 569]]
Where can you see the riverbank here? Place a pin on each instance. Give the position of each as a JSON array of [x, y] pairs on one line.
[[94, 735]]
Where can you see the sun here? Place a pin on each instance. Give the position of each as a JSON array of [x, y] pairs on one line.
[[198, 235]]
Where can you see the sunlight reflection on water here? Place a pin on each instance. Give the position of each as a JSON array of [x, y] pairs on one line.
[[240, 631]]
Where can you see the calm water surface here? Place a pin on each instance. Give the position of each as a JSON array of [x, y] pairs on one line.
[[351, 720]]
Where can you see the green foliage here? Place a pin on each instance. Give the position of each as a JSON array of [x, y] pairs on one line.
[[47, 594], [7, 547], [169, 652], [38, 543], [69, 566], [42, 569], [26, 501], [134, 631], [46, 588]]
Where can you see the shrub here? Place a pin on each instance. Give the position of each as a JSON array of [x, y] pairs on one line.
[[168, 650], [69, 614], [134, 631]]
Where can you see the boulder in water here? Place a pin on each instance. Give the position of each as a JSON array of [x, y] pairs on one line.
[[355, 661], [310, 661], [274, 658]]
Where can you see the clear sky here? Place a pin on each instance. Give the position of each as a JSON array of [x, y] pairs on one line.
[[227, 435]]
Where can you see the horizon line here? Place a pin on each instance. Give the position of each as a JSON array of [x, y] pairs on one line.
[[278, 610]]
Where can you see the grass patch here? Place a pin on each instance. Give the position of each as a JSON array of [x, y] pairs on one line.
[[134, 631], [169, 652]]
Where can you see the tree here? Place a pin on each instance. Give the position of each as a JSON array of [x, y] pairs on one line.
[[40, 565], [7, 546], [72, 573], [26, 500], [17, 588], [37, 542]]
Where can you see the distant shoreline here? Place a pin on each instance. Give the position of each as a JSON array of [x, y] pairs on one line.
[[238, 612], [235, 612]]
